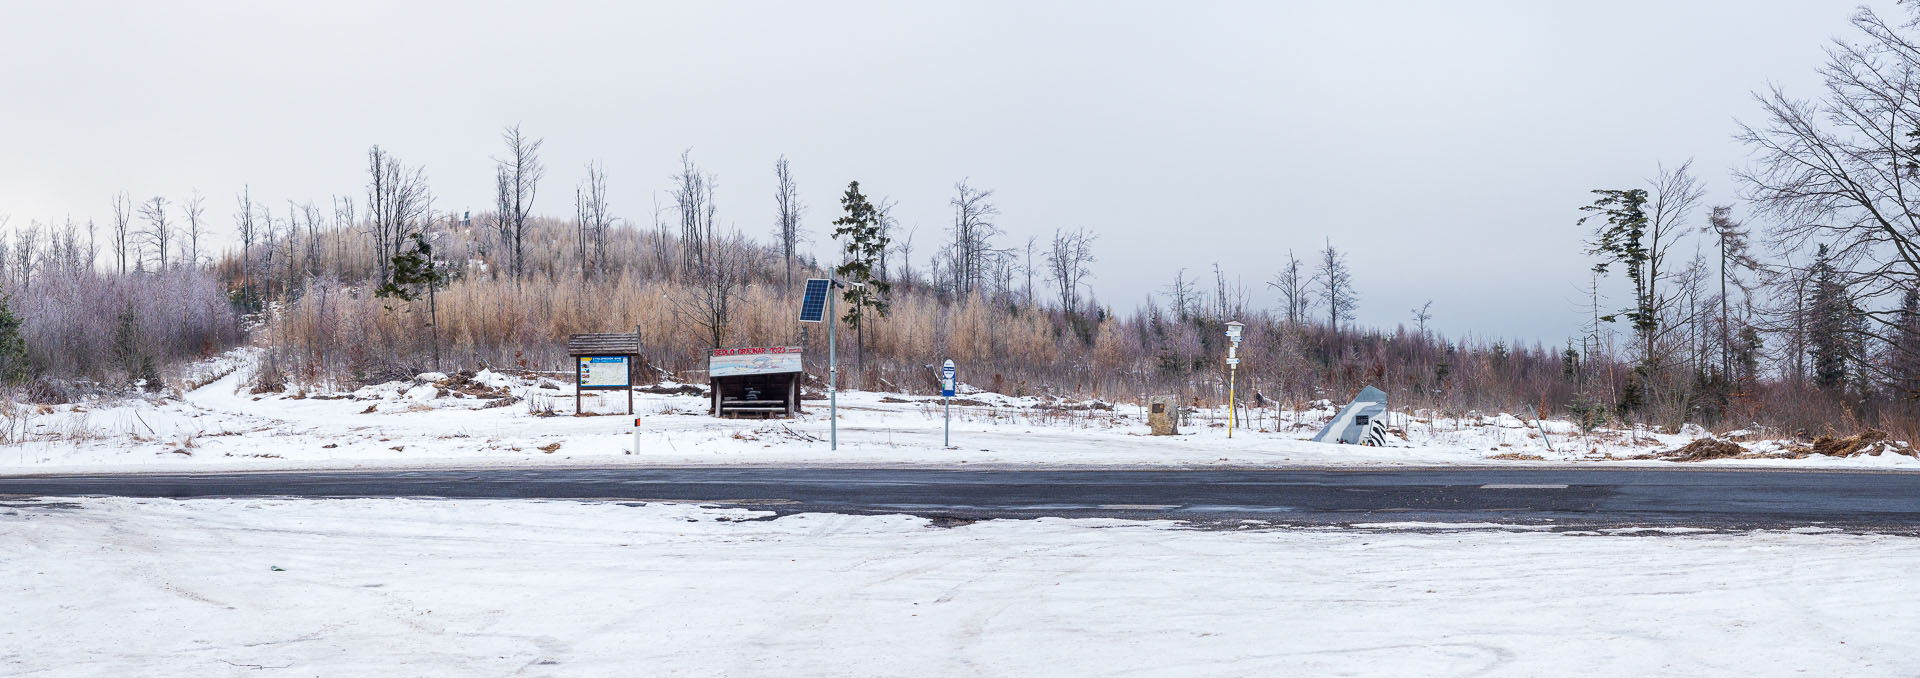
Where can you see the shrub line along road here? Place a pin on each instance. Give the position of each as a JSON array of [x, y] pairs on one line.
[[1566, 498]]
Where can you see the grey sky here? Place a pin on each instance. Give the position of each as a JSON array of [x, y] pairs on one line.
[[1447, 146]]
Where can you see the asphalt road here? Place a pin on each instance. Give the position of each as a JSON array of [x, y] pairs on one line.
[[1567, 498]]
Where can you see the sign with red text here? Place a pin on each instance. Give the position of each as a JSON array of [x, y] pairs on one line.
[[730, 362]]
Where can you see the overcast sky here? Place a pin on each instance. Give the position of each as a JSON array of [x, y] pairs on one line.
[[1446, 146]]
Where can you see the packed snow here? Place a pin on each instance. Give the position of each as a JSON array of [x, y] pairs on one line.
[[495, 419], [102, 586]]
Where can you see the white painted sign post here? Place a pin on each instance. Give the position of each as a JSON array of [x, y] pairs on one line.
[[946, 393]]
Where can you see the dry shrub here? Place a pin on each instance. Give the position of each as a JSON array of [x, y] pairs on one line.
[[1870, 442], [1702, 450], [1518, 456]]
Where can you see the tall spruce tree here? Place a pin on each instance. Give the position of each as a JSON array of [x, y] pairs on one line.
[[15, 367], [865, 243], [1620, 239], [1903, 357], [1829, 323]]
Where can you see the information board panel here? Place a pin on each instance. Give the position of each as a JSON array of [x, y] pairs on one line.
[[607, 371], [730, 362]]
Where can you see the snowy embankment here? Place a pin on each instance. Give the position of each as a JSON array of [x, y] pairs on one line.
[[459, 588], [490, 419]]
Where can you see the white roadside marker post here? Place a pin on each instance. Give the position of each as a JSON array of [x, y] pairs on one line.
[[1233, 368], [636, 435]]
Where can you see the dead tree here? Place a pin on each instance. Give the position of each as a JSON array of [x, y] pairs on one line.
[[1675, 195], [693, 200], [26, 250], [517, 181], [1335, 282], [396, 199], [1294, 283], [973, 232], [195, 210], [1069, 261], [1731, 240], [593, 221], [249, 232], [787, 205], [315, 226], [123, 235], [159, 232], [706, 302], [1180, 293]]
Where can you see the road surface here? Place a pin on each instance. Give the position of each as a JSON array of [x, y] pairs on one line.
[[1569, 498]]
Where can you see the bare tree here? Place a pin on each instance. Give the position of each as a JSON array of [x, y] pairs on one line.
[[1294, 283], [1731, 241], [123, 235], [1069, 261], [787, 205], [195, 210], [249, 232], [396, 200], [1180, 293], [1843, 170], [159, 233], [93, 253], [26, 250], [518, 180], [887, 225], [591, 204], [1335, 282], [1675, 195], [973, 232], [1422, 315], [707, 303], [693, 200], [315, 226]]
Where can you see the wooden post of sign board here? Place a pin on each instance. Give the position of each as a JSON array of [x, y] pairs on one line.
[[577, 376], [630, 369]]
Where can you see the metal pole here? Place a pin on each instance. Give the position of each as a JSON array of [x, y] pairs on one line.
[[833, 379], [946, 439], [1232, 371]]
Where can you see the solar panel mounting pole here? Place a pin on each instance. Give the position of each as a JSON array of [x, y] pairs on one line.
[[833, 377]]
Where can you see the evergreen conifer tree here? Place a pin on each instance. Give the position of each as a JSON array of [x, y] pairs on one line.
[[15, 367], [1829, 323], [1903, 357], [865, 244]]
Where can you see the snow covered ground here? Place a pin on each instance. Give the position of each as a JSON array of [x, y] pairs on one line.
[[508, 420], [96, 587]]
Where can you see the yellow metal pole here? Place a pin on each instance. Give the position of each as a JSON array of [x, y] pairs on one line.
[[1232, 371]]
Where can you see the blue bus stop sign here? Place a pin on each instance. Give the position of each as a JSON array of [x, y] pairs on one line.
[[946, 379]]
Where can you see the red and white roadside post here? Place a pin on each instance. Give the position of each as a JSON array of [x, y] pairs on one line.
[[636, 435]]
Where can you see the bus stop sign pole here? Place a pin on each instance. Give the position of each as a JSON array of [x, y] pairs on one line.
[[946, 394]]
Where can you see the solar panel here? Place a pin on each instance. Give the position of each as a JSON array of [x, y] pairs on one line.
[[813, 306]]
